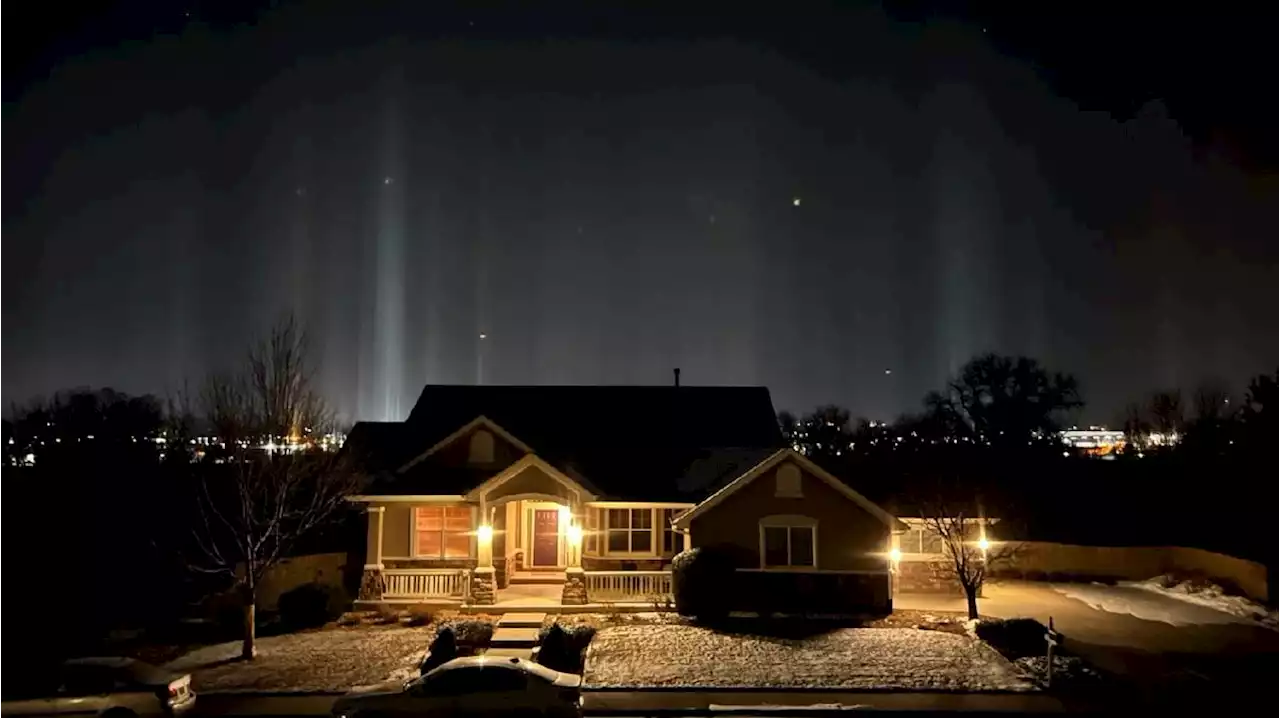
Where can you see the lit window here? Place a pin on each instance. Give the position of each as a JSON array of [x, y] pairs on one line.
[[442, 532], [788, 482], [630, 531], [788, 542]]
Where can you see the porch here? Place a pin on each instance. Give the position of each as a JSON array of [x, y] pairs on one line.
[[528, 536], [626, 591]]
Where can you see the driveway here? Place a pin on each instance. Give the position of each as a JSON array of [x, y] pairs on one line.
[[1164, 645]]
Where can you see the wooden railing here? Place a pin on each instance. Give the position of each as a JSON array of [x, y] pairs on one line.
[[424, 583], [628, 585]]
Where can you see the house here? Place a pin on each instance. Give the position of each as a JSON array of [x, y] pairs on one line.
[[596, 488]]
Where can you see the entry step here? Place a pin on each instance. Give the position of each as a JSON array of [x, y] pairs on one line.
[[506, 637], [527, 578], [522, 653], [521, 620]]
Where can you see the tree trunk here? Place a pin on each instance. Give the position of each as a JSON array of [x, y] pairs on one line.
[[248, 647], [971, 597]]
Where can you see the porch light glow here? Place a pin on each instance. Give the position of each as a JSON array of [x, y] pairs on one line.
[[574, 534], [565, 515], [895, 555], [485, 533], [984, 544]]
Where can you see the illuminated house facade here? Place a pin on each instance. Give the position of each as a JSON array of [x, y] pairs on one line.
[[483, 489]]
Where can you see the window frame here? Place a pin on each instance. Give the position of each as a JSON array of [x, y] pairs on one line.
[[630, 531], [666, 516], [791, 523], [444, 533]]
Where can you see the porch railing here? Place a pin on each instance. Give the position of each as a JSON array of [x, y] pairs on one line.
[[628, 585], [424, 583]]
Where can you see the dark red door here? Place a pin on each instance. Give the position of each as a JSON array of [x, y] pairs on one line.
[[546, 529]]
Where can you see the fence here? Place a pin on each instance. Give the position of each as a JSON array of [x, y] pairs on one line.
[[627, 585]]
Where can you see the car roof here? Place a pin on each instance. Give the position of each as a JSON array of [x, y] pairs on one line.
[[499, 662]]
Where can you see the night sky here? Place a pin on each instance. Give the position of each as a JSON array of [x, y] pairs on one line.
[[842, 204]]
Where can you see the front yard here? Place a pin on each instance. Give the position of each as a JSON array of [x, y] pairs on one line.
[[638, 651], [687, 656], [329, 659]]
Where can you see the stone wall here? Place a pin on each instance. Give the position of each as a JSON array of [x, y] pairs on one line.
[[1041, 560], [327, 569]]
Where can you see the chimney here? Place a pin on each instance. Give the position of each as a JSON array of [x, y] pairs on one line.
[[676, 371]]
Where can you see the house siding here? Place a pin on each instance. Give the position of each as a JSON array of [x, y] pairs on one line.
[[849, 538], [458, 452], [395, 530], [533, 480]]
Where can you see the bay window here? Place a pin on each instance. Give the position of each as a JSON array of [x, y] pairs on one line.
[[442, 532]]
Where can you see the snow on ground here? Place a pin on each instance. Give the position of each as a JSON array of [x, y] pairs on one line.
[[1144, 604], [847, 658], [326, 660], [1208, 595]]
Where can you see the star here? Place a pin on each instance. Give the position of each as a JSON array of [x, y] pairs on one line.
[[887, 372], [483, 335], [795, 202], [386, 180], [301, 191]]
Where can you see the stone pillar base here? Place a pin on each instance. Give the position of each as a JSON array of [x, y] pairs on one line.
[[575, 587], [370, 584], [484, 590]]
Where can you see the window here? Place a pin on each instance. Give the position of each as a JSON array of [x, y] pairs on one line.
[[591, 539], [788, 542], [630, 531], [919, 540], [442, 532], [788, 482], [480, 450], [672, 541]]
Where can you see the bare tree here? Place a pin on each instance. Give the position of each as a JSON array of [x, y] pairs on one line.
[[254, 505], [971, 554]]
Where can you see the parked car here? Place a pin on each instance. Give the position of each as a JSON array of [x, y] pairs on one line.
[[478, 685], [116, 687]]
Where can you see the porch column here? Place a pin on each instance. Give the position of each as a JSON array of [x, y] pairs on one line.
[[371, 578], [574, 592], [688, 539], [483, 579]]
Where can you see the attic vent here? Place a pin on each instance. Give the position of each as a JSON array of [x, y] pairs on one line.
[[481, 449], [788, 478]]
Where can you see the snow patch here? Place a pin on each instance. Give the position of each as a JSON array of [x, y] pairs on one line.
[[1209, 595], [1144, 604], [684, 656], [327, 660]]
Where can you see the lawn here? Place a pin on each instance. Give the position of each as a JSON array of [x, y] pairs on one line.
[[687, 656], [331, 659]]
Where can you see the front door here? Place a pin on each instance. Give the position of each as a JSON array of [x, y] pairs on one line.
[[546, 534]]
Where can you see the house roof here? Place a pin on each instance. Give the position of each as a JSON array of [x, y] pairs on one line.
[[659, 443], [777, 457]]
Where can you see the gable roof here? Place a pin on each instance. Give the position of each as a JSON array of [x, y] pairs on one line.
[[654, 443], [479, 421], [683, 520]]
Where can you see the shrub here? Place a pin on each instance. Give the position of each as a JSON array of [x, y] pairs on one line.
[[306, 606], [564, 647], [419, 615], [702, 582], [471, 633], [1014, 637], [442, 650]]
